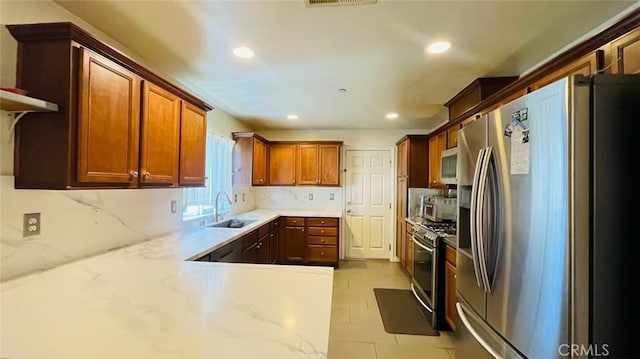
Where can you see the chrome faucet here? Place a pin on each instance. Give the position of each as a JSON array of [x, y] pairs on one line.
[[216, 216]]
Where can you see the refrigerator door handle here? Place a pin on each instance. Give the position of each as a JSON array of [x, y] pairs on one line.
[[482, 186], [475, 334], [474, 214]]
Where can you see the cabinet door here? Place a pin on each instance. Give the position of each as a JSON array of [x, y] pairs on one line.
[[108, 121], [159, 136], [437, 144], [408, 264], [264, 250], [403, 158], [450, 294], [282, 165], [250, 254], [329, 165], [293, 244], [625, 53], [260, 161], [193, 141], [586, 65], [307, 165], [274, 246], [452, 136]]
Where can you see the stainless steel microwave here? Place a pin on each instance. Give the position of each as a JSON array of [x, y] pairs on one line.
[[449, 166]]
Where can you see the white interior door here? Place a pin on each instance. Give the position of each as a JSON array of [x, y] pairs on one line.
[[368, 203]]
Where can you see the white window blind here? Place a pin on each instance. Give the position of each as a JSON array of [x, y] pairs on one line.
[[199, 201]]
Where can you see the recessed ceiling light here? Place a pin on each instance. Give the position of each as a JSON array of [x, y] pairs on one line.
[[243, 52], [292, 117], [438, 47], [391, 116]]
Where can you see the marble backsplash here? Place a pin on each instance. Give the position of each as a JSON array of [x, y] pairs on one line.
[[326, 198], [78, 224]]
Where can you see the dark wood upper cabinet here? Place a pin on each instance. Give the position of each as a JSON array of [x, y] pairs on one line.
[[475, 93], [250, 159], [413, 160], [193, 145], [117, 121], [160, 136], [625, 54], [282, 164], [318, 164], [587, 65], [260, 162], [307, 169], [108, 121], [329, 158]]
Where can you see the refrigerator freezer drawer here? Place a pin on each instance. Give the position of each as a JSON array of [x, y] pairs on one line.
[[476, 340]]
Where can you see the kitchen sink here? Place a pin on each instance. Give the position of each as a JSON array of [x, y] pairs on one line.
[[232, 223]]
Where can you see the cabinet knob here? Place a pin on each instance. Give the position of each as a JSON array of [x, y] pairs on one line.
[[322, 253], [147, 175], [321, 222], [271, 235], [322, 241], [295, 222], [133, 174], [303, 229], [322, 231]]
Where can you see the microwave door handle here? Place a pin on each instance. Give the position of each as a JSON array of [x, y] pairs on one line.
[[474, 214], [481, 224]]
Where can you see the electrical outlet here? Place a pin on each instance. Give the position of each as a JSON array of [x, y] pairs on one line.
[[310, 196], [235, 198], [243, 197], [31, 224], [332, 196], [174, 207]]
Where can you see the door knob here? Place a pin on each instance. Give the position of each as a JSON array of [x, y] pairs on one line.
[[348, 211]]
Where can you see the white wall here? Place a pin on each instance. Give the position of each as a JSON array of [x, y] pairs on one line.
[[76, 224]]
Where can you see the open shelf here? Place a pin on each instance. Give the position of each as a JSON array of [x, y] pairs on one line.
[[14, 102]]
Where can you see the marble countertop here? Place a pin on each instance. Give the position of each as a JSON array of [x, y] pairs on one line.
[[149, 301]]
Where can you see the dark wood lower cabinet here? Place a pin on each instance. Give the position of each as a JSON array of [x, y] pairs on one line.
[[293, 245], [303, 241], [450, 314]]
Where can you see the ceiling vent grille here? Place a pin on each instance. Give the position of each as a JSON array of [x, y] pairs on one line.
[[323, 3]]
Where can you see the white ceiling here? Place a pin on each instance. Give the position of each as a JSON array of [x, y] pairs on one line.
[[304, 55]]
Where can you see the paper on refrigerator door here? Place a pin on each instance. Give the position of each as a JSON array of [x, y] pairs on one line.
[[519, 151]]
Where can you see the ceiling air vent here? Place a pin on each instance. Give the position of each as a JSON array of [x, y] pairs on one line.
[[321, 3]]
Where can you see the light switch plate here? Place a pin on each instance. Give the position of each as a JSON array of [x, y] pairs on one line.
[[174, 207], [332, 196], [31, 224], [310, 196]]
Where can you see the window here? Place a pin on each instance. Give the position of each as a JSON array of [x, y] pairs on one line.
[[199, 202]]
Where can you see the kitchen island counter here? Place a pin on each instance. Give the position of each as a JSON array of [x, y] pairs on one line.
[[147, 301]]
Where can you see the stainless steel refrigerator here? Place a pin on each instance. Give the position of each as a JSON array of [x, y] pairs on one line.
[[545, 218]]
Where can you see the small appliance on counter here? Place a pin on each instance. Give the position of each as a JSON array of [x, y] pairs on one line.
[[440, 208], [417, 200]]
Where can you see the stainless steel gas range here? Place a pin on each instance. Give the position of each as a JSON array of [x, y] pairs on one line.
[[428, 266]]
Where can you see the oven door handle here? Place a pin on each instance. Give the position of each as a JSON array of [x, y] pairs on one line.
[[430, 250], [415, 294]]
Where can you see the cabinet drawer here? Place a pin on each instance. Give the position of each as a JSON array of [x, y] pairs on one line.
[[249, 239], [294, 221], [322, 254], [450, 254], [322, 222], [323, 231], [275, 224], [263, 230], [322, 240]]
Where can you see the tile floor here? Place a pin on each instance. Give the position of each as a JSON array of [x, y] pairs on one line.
[[356, 326]]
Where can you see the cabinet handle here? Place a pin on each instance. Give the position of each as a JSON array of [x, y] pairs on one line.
[[147, 175], [133, 174]]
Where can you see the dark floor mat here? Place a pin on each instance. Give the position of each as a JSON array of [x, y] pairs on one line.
[[401, 313]]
